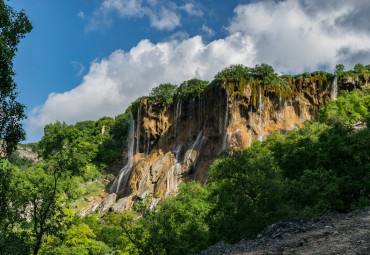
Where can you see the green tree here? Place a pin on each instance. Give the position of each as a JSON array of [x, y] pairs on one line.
[[163, 93], [13, 27], [39, 200], [349, 108], [191, 87], [76, 148], [359, 68], [178, 224], [245, 194], [339, 69], [13, 239], [232, 74]]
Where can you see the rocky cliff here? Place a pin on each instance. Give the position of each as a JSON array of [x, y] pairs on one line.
[[170, 144]]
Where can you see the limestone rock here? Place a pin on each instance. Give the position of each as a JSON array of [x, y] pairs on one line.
[[107, 202], [120, 205], [218, 119], [161, 166]]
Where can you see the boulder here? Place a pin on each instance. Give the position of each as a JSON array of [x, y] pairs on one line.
[[120, 205], [161, 166], [107, 202]]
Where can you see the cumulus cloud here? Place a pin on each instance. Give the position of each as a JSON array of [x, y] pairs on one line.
[[302, 35], [292, 35], [163, 15], [113, 83], [166, 19], [209, 31], [125, 8], [191, 9]]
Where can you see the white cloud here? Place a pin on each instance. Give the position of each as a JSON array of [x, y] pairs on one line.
[[79, 67], [295, 35], [162, 15], [191, 9], [209, 32], [292, 35], [81, 14], [113, 83], [166, 19], [125, 8]]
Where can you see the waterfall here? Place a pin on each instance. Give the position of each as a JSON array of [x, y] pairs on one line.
[[280, 109], [138, 130], [226, 122], [220, 118], [173, 172], [251, 121], [177, 115], [143, 178], [145, 131], [177, 150], [193, 107], [176, 169], [126, 170], [172, 182], [260, 137], [198, 142], [334, 89], [200, 112]]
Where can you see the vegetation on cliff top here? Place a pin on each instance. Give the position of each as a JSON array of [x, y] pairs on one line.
[[236, 78]]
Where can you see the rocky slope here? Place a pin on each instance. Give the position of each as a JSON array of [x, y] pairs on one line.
[[26, 152], [328, 234], [175, 143]]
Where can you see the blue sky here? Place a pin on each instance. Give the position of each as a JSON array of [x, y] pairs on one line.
[[87, 59]]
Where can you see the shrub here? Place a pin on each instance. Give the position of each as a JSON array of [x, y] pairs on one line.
[[163, 94]]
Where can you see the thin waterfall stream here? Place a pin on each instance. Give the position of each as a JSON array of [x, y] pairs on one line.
[[334, 89], [126, 170], [260, 135]]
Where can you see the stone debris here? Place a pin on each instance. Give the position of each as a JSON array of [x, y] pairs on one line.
[[327, 234]]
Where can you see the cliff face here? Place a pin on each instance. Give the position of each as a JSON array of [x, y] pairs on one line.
[[171, 144]]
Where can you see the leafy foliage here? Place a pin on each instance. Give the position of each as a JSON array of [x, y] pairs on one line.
[[178, 224], [245, 194], [191, 88], [13, 27], [163, 94], [349, 108]]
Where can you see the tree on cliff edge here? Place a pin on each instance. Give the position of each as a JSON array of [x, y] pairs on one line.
[[13, 27]]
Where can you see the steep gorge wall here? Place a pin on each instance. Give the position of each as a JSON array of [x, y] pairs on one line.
[[171, 144]]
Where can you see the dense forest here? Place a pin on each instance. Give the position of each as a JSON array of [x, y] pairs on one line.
[[319, 168]]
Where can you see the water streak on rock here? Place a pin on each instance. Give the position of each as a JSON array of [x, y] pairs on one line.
[[126, 170]]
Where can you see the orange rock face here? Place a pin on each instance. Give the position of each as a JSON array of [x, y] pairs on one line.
[[179, 142]]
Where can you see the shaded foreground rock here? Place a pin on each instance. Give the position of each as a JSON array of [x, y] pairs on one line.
[[328, 234]]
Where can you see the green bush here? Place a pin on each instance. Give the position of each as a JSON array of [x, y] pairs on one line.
[[191, 88], [245, 194], [350, 107], [178, 224], [163, 94]]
